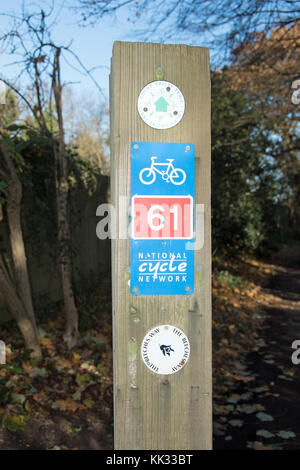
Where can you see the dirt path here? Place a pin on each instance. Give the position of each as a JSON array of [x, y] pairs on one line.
[[265, 412]]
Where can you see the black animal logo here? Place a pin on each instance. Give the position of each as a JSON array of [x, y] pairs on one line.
[[166, 350]]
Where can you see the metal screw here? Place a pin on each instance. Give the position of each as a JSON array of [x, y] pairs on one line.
[[135, 289], [135, 146], [187, 288], [187, 148]]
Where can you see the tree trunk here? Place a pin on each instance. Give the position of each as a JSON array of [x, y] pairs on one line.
[[62, 191], [16, 306], [17, 246], [71, 329], [20, 296]]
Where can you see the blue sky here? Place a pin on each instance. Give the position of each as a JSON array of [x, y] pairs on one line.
[[93, 44]]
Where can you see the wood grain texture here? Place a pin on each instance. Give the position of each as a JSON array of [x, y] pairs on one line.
[[150, 414]]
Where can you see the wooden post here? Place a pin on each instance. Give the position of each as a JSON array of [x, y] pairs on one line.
[[152, 411]]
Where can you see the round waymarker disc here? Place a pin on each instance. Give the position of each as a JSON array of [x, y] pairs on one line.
[[165, 349], [161, 104]]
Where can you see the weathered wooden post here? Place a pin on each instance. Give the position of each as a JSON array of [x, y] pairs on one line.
[[160, 171]]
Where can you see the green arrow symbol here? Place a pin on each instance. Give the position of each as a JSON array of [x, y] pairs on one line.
[[161, 105]]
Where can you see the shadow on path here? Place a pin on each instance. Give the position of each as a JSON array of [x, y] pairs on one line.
[[265, 412]]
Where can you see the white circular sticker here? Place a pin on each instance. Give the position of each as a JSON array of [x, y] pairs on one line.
[[161, 104], [165, 349]]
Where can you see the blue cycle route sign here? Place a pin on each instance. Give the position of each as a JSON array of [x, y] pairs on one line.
[[162, 218]]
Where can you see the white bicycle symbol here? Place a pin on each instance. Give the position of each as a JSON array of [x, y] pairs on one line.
[[175, 175]]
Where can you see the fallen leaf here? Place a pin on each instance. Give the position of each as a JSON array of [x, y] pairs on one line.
[[286, 434], [260, 446], [88, 402], [15, 422], [63, 363], [18, 398], [264, 433], [288, 372], [76, 396], [68, 404], [285, 378], [264, 416], [246, 396], [26, 366], [47, 343], [83, 379], [264, 388], [76, 357], [221, 410], [234, 398], [39, 396], [236, 423], [37, 372]]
